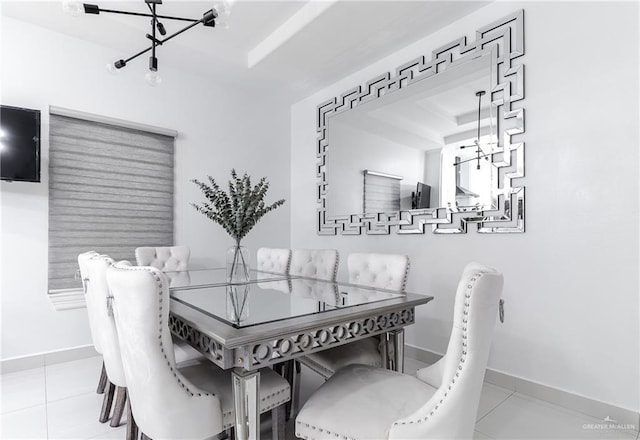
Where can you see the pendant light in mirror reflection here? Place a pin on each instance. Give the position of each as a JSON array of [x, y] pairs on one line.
[[473, 166], [218, 16], [480, 154]]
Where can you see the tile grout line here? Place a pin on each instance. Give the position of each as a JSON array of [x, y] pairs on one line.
[[495, 407], [46, 403]]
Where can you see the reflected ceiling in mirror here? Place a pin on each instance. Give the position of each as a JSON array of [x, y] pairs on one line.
[[416, 148], [432, 145]]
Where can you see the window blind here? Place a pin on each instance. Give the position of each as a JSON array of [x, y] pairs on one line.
[[110, 190], [381, 192]]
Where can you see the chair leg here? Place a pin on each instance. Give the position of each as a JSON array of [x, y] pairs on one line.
[[121, 400], [102, 382], [106, 403], [278, 422], [287, 370], [132, 428], [296, 370]]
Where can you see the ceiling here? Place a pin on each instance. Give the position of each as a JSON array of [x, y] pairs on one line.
[[438, 111], [294, 47]]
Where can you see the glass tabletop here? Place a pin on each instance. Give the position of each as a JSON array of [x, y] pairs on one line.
[[194, 279], [261, 302]]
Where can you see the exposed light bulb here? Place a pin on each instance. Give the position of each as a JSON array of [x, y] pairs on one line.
[[111, 68], [223, 9], [73, 7], [152, 78]]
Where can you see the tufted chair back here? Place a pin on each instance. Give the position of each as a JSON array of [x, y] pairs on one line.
[[83, 259], [274, 260], [315, 263], [159, 393], [381, 271], [458, 376], [318, 291], [108, 336], [165, 258]]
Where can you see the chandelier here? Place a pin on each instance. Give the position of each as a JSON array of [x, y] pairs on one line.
[[217, 14], [480, 154]]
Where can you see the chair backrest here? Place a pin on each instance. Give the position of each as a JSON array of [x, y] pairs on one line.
[[165, 258], [83, 259], [318, 291], [107, 334], [274, 260], [164, 403], [315, 263], [451, 412], [381, 271]]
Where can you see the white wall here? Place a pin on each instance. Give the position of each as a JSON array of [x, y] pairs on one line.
[[571, 281], [219, 127], [355, 150]]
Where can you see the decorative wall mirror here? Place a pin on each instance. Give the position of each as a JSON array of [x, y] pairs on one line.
[[430, 145]]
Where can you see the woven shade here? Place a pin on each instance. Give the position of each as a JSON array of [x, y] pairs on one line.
[[110, 190]]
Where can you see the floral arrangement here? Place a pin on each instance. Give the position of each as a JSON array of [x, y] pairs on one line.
[[240, 209]]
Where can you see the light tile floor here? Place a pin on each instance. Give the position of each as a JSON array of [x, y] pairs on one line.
[[59, 402]]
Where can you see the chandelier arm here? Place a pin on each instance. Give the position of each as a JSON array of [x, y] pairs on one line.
[[153, 62], [469, 160], [142, 52], [140, 14], [175, 34], [202, 20]]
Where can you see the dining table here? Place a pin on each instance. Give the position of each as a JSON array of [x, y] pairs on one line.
[[274, 318]]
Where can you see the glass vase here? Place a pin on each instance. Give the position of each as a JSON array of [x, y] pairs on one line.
[[237, 265], [237, 303]]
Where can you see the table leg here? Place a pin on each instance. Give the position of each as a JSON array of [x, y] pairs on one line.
[[246, 388], [384, 351], [397, 342]]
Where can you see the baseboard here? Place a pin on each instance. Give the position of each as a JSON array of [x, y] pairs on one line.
[[38, 360], [585, 405]]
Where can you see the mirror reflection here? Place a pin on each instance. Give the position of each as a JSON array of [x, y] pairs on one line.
[[425, 146]]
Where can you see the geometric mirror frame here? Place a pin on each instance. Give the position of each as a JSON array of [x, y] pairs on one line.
[[503, 41]]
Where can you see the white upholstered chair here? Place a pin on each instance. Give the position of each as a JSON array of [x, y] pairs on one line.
[[274, 260], [174, 259], [165, 258], [194, 402], [98, 293], [363, 402], [315, 263], [380, 271], [83, 259]]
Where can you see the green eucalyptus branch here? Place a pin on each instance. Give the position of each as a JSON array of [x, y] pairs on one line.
[[240, 209]]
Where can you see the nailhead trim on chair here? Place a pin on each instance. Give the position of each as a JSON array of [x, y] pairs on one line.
[[153, 271], [406, 275], [322, 431], [463, 357], [264, 410]]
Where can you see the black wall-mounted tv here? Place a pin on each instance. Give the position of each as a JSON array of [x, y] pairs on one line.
[[421, 199], [19, 144]]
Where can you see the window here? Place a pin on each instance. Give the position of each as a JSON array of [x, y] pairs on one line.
[[381, 192], [110, 190]]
